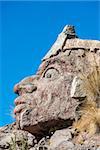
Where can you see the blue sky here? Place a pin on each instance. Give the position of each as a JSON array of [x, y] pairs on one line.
[[28, 30]]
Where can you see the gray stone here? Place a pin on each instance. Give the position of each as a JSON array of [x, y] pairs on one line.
[[60, 137], [76, 89]]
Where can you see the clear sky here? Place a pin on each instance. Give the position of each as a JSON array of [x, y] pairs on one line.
[[28, 30]]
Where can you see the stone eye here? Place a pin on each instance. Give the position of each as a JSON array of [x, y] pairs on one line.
[[51, 73]]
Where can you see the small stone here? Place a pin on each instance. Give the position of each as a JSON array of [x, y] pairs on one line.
[[76, 88]]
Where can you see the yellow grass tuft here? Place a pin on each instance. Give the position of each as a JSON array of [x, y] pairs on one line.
[[89, 121]]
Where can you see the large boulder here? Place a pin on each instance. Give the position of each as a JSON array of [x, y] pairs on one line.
[[60, 98]]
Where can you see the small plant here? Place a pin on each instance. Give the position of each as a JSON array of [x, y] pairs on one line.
[[12, 144], [18, 145], [24, 145]]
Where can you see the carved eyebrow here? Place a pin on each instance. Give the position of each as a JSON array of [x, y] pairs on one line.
[[45, 64], [48, 69]]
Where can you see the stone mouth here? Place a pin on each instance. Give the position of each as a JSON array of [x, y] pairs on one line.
[[48, 127]]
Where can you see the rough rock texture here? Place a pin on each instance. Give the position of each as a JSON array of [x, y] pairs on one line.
[[9, 133], [48, 103]]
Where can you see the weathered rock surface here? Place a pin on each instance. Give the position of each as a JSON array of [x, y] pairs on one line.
[[49, 103], [67, 33], [9, 134], [63, 140]]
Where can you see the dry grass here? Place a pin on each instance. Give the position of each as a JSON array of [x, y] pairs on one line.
[[89, 121], [21, 145]]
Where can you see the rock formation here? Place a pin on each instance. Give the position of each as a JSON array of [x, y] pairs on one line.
[[59, 107]]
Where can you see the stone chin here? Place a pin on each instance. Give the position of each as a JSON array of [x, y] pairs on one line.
[[42, 124]]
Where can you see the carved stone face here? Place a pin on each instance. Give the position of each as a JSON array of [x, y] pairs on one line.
[[45, 96], [50, 98]]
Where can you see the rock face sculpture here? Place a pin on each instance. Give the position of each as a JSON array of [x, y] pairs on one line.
[[62, 96]]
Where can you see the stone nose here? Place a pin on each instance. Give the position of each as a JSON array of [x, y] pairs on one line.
[[24, 88]]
